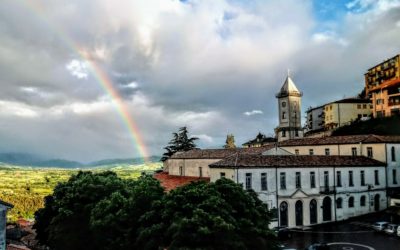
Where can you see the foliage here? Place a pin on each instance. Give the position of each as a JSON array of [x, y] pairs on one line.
[[103, 211], [230, 141], [219, 215], [378, 126], [114, 220], [95, 211], [179, 142]]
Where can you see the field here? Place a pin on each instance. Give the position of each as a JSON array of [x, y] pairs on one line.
[[25, 187]]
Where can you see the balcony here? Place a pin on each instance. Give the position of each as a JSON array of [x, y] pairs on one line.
[[327, 190]]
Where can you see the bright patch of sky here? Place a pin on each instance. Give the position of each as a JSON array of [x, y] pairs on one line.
[[78, 69]]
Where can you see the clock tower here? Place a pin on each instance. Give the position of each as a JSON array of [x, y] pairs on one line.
[[289, 103]]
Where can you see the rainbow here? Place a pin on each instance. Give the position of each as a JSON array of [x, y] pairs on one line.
[[99, 74]]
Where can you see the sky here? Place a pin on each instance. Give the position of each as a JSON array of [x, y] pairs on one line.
[[211, 65]]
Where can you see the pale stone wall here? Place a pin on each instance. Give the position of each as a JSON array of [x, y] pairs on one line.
[[393, 164], [267, 196], [317, 149], [215, 174], [343, 113], [274, 195], [378, 149], [290, 117], [190, 167]]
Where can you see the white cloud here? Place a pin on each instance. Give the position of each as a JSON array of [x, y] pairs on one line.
[[329, 36], [131, 85], [10, 109], [204, 137], [77, 68], [253, 112]]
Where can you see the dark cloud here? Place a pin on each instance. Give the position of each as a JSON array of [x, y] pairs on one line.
[[197, 63]]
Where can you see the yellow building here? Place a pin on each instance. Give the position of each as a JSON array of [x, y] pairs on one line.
[[382, 85], [343, 112]]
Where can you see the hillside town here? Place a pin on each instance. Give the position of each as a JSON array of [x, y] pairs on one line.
[[306, 175]]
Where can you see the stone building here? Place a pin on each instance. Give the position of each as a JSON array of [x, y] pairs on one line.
[[4, 207], [345, 111], [336, 114], [385, 149], [315, 119], [289, 106], [195, 163], [309, 189]]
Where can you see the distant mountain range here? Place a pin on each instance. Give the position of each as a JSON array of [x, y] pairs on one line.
[[24, 159]]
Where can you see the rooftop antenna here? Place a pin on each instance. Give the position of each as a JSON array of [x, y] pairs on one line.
[[288, 72]]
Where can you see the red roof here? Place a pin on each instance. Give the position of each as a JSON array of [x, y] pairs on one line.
[[170, 182]]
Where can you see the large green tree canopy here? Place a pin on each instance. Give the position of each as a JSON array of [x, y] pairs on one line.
[[102, 211], [200, 215]]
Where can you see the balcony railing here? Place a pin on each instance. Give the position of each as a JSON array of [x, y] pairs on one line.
[[327, 190]]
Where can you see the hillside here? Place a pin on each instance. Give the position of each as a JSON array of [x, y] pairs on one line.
[[378, 126], [31, 160], [25, 187]]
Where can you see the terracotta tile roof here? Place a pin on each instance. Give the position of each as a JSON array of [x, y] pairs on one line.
[[9, 205], [254, 161], [219, 153], [346, 139], [170, 182]]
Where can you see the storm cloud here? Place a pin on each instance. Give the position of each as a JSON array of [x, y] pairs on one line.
[[201, 64]]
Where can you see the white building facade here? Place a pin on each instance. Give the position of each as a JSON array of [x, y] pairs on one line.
[[309, 190]]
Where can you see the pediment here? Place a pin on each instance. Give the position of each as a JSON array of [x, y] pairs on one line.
[[299, 194]]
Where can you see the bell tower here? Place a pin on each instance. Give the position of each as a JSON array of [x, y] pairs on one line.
[[289, 103]]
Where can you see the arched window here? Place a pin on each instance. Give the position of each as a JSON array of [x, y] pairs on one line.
[[339, 202], [362, 201], [351, 201], [393, 154]]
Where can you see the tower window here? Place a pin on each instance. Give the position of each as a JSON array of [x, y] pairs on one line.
[[283, 115], [283, 104], [283, 133]]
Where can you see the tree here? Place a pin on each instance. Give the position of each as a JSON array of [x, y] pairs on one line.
[[95, 211], [179, 142], [219, 215], [230, 141]]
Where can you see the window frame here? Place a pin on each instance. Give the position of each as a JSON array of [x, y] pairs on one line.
[[351, 179], [282, 180], [264, 182], [312, 179], [248, 181], [298, 179]]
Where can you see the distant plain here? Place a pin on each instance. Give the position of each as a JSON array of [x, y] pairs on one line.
[[25, 187]]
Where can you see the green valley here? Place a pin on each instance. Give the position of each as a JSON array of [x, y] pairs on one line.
[[25, 187]]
